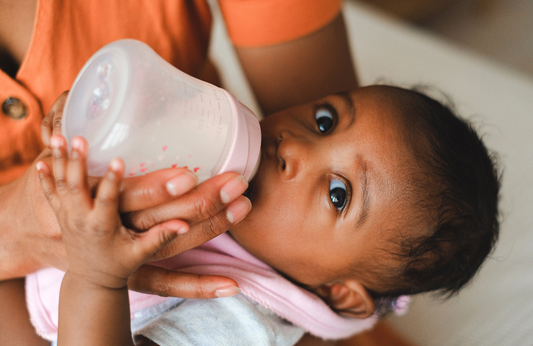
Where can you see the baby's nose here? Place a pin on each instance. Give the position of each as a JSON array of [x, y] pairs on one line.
[[293, 153]]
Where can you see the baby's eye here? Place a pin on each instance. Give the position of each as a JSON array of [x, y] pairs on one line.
[[324, 119], [337, 193]]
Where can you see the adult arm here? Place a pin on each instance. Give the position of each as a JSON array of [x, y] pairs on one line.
[[15, 326], [300, 70]]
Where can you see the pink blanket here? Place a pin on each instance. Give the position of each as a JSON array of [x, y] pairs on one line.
[[220, 256]]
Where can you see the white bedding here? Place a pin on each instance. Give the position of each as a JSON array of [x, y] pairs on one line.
[[497, 309]]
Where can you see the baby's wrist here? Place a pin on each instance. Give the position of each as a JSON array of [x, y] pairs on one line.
[[96, 280]]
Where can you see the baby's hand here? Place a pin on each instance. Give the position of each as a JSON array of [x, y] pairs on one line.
[[99, 248]]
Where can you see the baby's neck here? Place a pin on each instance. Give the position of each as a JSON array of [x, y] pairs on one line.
[[270, 265]]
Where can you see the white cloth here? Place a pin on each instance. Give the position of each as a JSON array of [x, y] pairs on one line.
[[232, 321]]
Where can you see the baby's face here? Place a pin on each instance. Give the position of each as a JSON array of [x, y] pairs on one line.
[[326, 197]]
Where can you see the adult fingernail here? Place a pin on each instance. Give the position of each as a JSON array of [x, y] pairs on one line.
[[182, 183], [233, 189], [227, 292], [238, 210]]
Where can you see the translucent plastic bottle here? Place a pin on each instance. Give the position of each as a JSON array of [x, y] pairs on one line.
[[128, 102]]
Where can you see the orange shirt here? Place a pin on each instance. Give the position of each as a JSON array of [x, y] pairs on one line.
[[68, 32]]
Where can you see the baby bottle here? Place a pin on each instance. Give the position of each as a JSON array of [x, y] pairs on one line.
[[128, 102]]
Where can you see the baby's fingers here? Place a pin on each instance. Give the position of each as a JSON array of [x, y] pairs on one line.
[[107, 195], [77, 184], [59, 163], [158, 236], [48, 184]]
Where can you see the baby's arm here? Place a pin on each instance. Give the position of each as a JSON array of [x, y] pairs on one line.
[[102, 253]]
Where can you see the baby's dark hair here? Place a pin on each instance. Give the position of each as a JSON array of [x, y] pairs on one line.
[[456, 185]]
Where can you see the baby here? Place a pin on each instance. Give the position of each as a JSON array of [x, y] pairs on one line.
[[360, 198]]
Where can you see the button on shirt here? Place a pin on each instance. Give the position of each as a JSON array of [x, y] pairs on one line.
[[14, 108], [20, 121]]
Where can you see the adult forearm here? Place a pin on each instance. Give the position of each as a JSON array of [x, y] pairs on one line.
[[301, 70], [15, 326], [29, 237], [8, 243]]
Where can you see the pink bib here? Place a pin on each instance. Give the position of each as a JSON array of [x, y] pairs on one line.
[[220, 256]]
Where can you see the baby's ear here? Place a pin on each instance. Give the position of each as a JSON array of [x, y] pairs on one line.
[[348, 298]]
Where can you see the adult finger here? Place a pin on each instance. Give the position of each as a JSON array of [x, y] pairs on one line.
[[47, 183], [51, 124], [166, 283], [206, 230], [155, 188], [203, 202]]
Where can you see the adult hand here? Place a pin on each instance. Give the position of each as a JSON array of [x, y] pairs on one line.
[[210, 209], [51, 124]]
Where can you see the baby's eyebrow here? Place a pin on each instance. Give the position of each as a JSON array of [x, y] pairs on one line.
[[347, 98], [363, 179]]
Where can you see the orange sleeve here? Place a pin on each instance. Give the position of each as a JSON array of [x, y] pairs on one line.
[[253, 23]]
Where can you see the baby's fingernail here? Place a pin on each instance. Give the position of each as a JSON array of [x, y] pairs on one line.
[[77, 143], [176, 226], [74, 154], [233, 189], [182, 183], [56, 141], [227, 291], [39, 166], [238, 210], [115, 165]]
